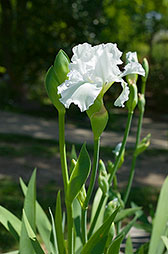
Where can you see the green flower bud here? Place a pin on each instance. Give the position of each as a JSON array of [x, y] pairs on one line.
[[110, 166], [141, 102], [145, 142], [82, 196], [116, 151], [98, 117], [103, 178], [102, 168], [61, 66], [51, 85], [55, 76], [111, 207], [144, 79], [133, 98], [145, 65]]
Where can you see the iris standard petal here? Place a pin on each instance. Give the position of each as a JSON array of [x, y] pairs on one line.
[[133, 68], [123, 96], [131, 57], [82, 51]]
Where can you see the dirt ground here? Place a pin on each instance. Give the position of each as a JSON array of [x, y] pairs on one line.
[[151, 169]]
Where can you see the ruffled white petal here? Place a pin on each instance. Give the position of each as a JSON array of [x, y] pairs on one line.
[[123, 96], [82, 51], [133, 68], [81, 94], [93, 69], [131, 57]]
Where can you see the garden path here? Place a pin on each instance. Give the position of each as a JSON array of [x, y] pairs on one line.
[[151, 168], [48, 129]]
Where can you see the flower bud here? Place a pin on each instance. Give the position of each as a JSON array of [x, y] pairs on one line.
[[133, 98], [145, 65], [110, 167], [61, 66], [111, 207], [116, 151], [51, 85], [55, 76], [82, 196], [141, 102], [143, 145], [144, 79], [98, 117], [103, 178]]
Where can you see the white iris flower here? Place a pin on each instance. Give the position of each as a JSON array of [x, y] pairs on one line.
[[92, 71]]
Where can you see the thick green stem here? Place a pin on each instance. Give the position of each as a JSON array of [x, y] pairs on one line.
[[90, 189], [132, 171], [128, 125], [61, 118], [65, 179]]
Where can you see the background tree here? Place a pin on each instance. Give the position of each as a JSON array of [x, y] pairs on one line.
[[32, 32]]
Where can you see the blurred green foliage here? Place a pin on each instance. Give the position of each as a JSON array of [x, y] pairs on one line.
[[32, 32]]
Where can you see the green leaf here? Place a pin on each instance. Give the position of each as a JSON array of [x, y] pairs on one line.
[[53, 236], [10, 222], [165, 240], [115, 246], [95, 204], [12, 252], [125, 213], [128, 247], [76, 211], [32, 236], [143, 249], [58, 225], [79, 174], [51, 85], [97, 242], [161, 217], [127, 228], [73, 153], [25, 245], [42, 221]]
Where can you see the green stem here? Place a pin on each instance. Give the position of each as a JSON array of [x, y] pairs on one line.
[[61, 119], [132, 171], [127, 129], [128, 125], [70, 228], [90, 189]]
